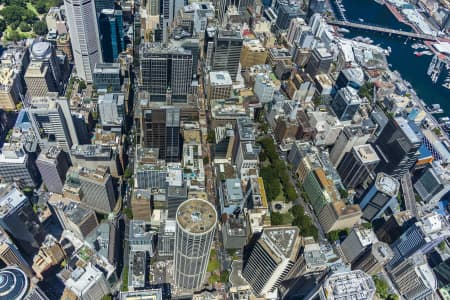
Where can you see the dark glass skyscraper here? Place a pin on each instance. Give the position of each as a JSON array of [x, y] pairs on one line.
[[161, 129], [397, 147], [111, 34]]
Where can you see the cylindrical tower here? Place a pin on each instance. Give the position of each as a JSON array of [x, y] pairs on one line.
[[196, 223], [13, 283]]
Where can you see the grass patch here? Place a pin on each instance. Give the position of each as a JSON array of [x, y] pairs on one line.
[[213, 263]]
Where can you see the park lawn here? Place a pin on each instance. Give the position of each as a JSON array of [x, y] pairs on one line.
[[280, 196]]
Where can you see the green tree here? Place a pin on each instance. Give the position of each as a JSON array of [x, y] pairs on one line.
[[276, 218], [40, 28], [13, 36], [211, 136], [382, 287], [82, 85], [24, 27], [2, 25], [127, 174], [291, 194], [333, 236]]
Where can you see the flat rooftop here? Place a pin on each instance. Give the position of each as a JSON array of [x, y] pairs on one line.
[[283, 239], [387, 184], [196, 216], [366, 153]]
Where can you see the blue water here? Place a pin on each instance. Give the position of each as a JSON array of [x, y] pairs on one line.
[[402, 59]]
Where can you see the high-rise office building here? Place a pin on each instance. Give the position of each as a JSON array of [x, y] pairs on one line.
[[52, 121], [73, 215], [349, 137], [286, 13], [18, 166], [195, 228], [45, 53], [320, 62], [88, 283], [381, 196], [373, 259], [421, 237], [410, 280], [356, 242], [220, 85], [431, 186], [161, 129], [351, 77], [166, 71], [227, 51], [345, 285], [296, 27], [14, 283], [394, 226], [346, 103], [111, 34], [53, 164], [11, 256], [358, 165], [112, 109], [271, 259], [106, 77], [168, 9], [84, 36], [397, 147], [95, 186], [19, 220], [39, 80], [316, 7]]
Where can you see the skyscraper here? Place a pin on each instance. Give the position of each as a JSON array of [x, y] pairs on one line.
[[421, 237], [166, 71], [373, 258], [358, 165], [44, 53], [49, 119], [350, 136], [379, 197], [112, 109], [39, 80], [84, 36], [320, 62], [346, 103], [18, 166], [11, 256], [196, 223], [271, 259], [410, 280], [107, 77], [397, 146], [53, 165], [19, 220], [161, 129], [14, 283], [95, 186], [227, 51], [111, 34]]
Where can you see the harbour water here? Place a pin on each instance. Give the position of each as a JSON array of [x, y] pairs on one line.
[[413, 68]]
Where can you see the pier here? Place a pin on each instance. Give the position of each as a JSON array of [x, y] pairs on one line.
[[413, 35]]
